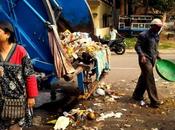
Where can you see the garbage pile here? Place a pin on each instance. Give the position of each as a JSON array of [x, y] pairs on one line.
[[79, 45]]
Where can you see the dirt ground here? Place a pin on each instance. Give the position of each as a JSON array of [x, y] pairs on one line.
[[132, 116]]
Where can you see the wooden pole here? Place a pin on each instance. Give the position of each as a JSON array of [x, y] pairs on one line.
[[114, 14], [122, 7]]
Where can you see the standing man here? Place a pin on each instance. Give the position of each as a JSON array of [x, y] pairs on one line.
[[146, 48]]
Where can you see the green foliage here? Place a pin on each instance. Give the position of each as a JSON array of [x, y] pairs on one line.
[[130, 42], [162, 5], [164, 44], [107, 37]]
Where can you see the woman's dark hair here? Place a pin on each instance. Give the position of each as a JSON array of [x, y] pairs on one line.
[[7, 27]]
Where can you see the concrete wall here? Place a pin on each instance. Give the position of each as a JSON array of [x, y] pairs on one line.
[[102, 32]]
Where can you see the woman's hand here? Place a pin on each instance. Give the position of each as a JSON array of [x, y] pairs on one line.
[[30, 102]]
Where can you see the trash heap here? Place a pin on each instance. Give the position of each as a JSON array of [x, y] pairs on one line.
[[79, 45]]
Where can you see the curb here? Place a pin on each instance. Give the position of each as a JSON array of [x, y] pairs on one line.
[[161, 51]]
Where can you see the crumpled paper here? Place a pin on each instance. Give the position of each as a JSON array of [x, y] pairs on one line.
[[61, 123]]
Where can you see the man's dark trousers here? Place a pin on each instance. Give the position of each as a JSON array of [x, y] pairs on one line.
[[146, 82]]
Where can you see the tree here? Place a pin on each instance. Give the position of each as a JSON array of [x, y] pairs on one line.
[[135, 4], [159, 5], [162, 5]]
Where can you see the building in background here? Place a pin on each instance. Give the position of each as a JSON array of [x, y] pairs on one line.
[[102, 16], [106, 13], [125, 15]]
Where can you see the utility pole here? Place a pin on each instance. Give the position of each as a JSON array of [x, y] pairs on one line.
[[130, 11], [114, 11], [122, 7]]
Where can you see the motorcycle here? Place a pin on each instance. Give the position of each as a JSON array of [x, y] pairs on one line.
[[118, 46]]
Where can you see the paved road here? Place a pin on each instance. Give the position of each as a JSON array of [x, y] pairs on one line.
[[125, 67]]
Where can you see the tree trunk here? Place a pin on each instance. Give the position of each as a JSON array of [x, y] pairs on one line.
[[130, 7], [163, 21], [146, 4], [122, 7], [114, 14]]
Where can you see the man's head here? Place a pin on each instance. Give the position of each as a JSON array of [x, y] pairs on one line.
[[111, 27], [156, 25]]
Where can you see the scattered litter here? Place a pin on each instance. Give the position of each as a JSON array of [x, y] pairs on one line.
[[156, 79], [108, 86], [127, 125], [122, 94], [109, 99], [115, 97], [104, 85], [79, 115], [127, 89], [100, 92], [66, 114], [163, 113], [138, 120], [98, 104], [134, 105], [61, 123], [165, 82], [37, 120], [171, 93], [103, 116], [91, 116], [154, 129], [95, 94], [142, 103], [123, 80], [89, 128], [52, 122], [124, 109]]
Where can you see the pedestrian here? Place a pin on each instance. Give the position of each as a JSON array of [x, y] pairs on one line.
[[17, 81], [147, 50]]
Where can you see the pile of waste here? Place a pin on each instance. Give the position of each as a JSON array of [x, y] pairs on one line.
[[79, 45]]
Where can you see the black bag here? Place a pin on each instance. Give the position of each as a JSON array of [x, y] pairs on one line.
[[13, 108]]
